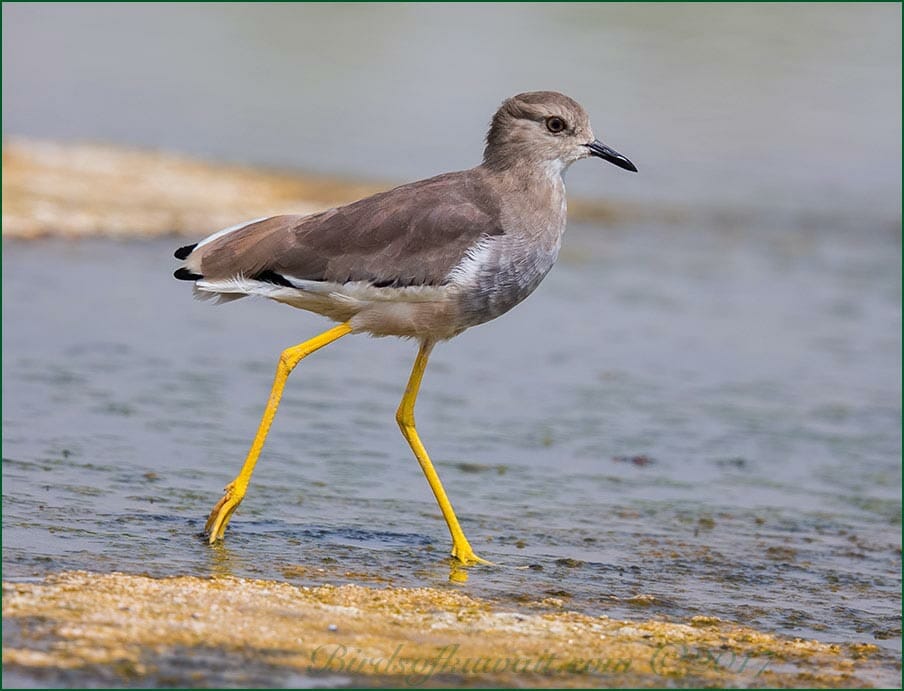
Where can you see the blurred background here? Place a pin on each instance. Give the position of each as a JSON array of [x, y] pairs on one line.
[[776, 106], [698, 412]]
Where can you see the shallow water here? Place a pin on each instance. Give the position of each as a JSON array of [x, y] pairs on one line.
[[678, 422]]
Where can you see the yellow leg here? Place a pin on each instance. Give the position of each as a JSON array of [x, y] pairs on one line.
[[461, 548], [235, 490]]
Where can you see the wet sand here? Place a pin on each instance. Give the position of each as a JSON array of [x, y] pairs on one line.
[[143, 630]]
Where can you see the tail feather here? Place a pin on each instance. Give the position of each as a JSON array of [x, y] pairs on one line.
[[184, 274], [216, 298], [183, 252]]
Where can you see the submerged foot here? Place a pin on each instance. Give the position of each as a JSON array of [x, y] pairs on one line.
[[221, 513], [464, 554]]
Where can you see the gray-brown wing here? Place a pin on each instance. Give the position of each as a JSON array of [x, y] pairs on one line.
[[411, 235]]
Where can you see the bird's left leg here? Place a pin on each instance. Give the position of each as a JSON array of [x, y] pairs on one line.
[[235, 490], [461, 548]]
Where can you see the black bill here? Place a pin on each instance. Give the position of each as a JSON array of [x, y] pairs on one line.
[[597, 148]]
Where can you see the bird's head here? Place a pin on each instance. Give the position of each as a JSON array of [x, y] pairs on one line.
[[546, 128]]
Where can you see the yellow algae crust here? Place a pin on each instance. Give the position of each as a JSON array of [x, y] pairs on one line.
[[80, 190], [401, 636]]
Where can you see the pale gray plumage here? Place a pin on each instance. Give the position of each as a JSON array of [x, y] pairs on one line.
[[428, 259]]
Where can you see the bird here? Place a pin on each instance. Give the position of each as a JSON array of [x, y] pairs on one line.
[[424, 261]]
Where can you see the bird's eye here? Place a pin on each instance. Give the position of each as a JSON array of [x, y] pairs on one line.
[[555, 124]]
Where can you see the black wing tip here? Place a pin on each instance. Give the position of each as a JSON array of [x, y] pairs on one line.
[[270, 276], [184, 274], [183, 252]]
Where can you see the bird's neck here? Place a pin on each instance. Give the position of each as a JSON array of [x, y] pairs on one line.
[[533, 191], [529, 177]]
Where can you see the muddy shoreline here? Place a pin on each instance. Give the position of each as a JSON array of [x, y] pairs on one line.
[[142, 630]]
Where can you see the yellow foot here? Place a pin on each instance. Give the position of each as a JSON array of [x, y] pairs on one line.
[[466, 556], [222, 512]]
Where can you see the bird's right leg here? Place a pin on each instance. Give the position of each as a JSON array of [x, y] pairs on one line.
[[461, 548], [235, 490]]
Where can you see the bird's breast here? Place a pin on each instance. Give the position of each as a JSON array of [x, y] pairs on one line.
[[500, 272]]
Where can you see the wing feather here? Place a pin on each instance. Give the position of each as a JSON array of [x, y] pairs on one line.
[[411, 235]]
